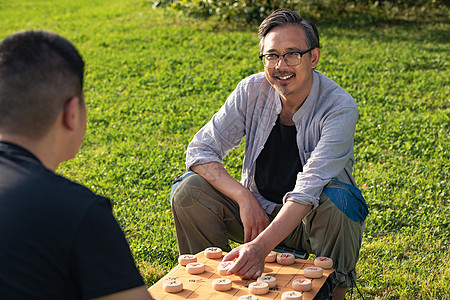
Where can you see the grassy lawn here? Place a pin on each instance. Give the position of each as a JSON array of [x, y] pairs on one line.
[[153, 79]]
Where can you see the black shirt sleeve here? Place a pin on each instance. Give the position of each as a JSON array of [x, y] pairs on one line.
[[102, 260]]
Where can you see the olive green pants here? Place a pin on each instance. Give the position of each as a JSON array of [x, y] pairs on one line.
[[204, 217]]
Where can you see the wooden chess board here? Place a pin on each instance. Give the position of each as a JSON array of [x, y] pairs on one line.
[[200, 286]]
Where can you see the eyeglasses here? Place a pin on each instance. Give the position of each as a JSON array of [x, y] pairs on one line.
[[290, 58]]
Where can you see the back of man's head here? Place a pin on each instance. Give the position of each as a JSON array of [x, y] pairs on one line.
[[39, 72]]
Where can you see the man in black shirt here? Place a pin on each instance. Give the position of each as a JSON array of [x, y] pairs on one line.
[[58, 240]]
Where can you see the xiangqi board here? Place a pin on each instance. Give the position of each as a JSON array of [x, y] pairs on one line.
[[200, 286]]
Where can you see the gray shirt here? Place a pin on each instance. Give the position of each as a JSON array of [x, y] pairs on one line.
[[325, 126]]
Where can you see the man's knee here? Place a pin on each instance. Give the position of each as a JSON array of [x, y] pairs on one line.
[[184, 191]]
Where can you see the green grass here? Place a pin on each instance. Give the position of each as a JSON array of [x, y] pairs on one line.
[[154, 78]]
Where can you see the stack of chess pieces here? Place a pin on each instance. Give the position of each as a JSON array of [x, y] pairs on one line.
[[262, 285]]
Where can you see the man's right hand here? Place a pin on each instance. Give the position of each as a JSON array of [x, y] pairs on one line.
[[253, 217]]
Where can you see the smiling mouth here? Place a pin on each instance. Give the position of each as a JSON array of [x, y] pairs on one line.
[[285, 77]]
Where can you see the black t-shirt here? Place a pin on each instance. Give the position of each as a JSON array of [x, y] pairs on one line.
[[278, 163], [58, 240]]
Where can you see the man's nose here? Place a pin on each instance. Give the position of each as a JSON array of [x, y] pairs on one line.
[[281, 63]]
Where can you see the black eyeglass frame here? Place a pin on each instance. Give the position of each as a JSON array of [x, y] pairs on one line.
[[284, 57]]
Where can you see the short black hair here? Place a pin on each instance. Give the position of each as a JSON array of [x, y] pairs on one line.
[[282, 17], [39, 72]]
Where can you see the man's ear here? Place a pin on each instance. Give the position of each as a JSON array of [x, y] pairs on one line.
[[315, 55], [70, 113]]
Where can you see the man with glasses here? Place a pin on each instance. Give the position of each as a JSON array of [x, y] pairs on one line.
[[297, 188]]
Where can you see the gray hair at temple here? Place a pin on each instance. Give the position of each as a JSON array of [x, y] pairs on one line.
[[282, 17]]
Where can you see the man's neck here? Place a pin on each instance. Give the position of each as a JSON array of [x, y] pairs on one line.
[[292, 103], [38, 148], [288, 110]]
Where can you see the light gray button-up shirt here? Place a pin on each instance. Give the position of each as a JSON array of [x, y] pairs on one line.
[[325, 126]]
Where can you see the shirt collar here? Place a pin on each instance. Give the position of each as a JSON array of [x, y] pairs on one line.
[[16, 150], [310, 101]]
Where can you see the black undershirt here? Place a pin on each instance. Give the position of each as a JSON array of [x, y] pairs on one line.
[[278, 163]]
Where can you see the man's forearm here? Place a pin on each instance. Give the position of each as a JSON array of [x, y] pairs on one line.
[[289, 217], [221, 180]]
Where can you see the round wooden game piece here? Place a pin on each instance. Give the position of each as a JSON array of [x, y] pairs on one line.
[[323, 262], [213, 252], [195, 268], [186, 259], [302, 285], [248, 297], [221, 284], [271, 257], [258, 288], [313, 272], [285, 259], [172, 286], [270, 280], [224, 266], [291, 295]]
